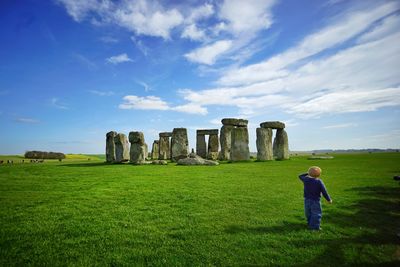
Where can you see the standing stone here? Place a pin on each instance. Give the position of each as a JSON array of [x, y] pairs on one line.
[[264, 144], [213, 145], [138, 148], [110, 147], [154, 150], [164, 146], [146, 149], [281, 145], [225, 140], [201, 145], [121, 148], [179, 144], [240, 144]]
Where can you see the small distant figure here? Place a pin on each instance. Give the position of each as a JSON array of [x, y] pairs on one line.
[[397, 177], [313, 188], [1, 161]]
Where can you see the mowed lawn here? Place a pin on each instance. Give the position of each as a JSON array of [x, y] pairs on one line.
[[87, 213]]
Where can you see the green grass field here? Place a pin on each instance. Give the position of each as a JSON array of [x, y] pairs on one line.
[[81, 213]]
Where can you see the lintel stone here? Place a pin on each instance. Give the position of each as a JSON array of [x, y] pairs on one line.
[[273, 125], [208, 132], [165, 134], [235, 122]]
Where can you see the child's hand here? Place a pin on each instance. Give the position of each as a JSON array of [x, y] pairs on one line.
[[330, 202]]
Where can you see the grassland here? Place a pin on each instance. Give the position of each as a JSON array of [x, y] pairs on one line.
[[83, 212]]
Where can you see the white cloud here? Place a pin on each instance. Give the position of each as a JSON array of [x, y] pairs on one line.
[[147, 18], [342, 125], [101, 93], [247, 16], [146, 87], [191, 109], [55, 102], [119, 59], [343, 102], [141, 46], [359, 78], [201, 12], [27, 120], [144, 17], [386, 27], [327, 37], [89, 64], [156, 103], [209, 54], [146, 103], [192, 32], [109, 40], [78, 10]]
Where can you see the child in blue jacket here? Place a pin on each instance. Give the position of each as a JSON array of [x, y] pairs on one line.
[[313, 187]]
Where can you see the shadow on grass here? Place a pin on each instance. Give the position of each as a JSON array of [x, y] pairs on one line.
[[376, 216], [89, 164], [277, 229]]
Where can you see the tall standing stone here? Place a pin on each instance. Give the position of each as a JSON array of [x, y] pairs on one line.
[[234, 128], [164, 146], [201, 149], [179, 144], [281, 145], [121, 148], [213, 146], [154, 150], [110, 147], [138, 148], [146, 149], [225, 140], [264, 144], [240, 144]]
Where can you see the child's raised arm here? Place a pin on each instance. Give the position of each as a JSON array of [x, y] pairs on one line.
[[303, 176]]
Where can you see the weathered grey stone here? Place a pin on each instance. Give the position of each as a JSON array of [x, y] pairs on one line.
[[272, 125], [240, 144], [146, 149], [213, 145], [110, 146], [159, 162], [201, 148], [264, 144], [165, 134], [136, 138], [121, 148], [179, 144], [207, 131], [281, 145], [225, 140], [164, 148], [235, 122], [194, 159], [138, 150], [154, 150]]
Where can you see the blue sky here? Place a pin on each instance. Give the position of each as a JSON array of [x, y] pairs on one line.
[[71, 70]]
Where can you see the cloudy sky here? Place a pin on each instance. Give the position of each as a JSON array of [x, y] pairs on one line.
[[72, 70]]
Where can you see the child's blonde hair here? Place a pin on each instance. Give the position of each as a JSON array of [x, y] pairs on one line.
[[314, 171]]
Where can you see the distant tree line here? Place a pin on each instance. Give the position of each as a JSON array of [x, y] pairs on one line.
[[44, 155]]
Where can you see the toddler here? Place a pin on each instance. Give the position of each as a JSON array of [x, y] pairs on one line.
[[313, 187]]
